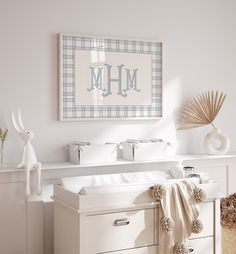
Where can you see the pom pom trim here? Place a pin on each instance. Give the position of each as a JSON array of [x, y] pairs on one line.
[[180, 248], [197, 226], [166, 224], [199, 195], [158, 192]]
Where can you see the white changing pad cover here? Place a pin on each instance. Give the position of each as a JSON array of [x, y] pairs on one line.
[[85, 185]]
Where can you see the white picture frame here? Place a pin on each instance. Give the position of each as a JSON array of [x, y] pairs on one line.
[[105, 78]]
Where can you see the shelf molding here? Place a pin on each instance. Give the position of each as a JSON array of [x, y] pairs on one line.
[[119, 162]]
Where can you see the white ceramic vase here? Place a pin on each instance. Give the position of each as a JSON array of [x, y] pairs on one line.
[[216, 143]]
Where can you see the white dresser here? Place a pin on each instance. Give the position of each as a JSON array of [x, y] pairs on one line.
[[124, 222]]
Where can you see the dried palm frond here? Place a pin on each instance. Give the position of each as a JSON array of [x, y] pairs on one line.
[[202, 110]]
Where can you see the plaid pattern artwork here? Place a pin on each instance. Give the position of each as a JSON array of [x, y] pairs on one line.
[[72, 111]]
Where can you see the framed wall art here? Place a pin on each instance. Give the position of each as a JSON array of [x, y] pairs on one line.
[[109, 78]]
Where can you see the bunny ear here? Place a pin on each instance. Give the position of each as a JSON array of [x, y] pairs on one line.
[[14, 122], [20, 120]]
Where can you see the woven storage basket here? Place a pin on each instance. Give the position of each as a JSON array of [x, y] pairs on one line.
[[228, 241]]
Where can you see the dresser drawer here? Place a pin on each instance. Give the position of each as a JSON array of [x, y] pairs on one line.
[[201, 245], [144, 250], [117, 231], [207, 218]]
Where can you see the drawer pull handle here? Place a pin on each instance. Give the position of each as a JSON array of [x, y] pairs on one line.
[[190, 249], [122, 222]]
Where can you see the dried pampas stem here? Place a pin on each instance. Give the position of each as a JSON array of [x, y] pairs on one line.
[[202, 110], [228, 211]]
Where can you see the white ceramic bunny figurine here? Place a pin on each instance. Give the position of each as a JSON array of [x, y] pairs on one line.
[[29, 160]]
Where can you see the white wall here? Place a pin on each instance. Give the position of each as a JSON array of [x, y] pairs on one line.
[[199, 39]]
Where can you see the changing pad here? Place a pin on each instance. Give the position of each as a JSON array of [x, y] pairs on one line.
[[84, 185]]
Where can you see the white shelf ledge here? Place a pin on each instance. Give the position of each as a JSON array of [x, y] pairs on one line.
[[64, 165], [120, 162]]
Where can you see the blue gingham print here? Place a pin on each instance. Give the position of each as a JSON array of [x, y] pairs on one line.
[[71, 111]]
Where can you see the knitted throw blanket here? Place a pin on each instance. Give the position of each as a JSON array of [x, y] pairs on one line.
[[179, 211]]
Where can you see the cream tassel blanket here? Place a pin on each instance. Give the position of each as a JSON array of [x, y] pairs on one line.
[[179, 211]]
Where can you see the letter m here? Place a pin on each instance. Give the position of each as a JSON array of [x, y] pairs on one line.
[[131, 80], [96, 78]]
